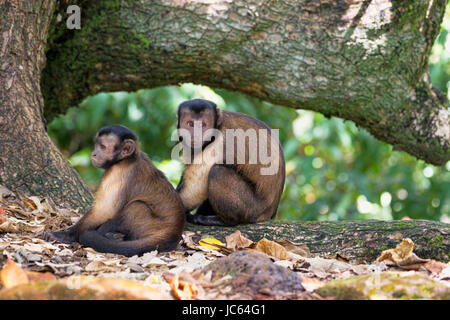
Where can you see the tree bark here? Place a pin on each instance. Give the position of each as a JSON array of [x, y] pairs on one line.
[[355, 240], [360, 60], [29, 161]]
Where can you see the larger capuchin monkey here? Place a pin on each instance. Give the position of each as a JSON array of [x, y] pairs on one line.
[[234, 174], [133, 198]]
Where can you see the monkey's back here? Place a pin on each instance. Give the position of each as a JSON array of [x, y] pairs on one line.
[[270, 186], [165, 217]]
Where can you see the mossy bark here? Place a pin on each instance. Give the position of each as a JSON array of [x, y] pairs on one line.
[[386, 285], [355, 240]]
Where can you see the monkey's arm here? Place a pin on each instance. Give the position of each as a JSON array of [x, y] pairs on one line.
[[60, 236], [193, 189]]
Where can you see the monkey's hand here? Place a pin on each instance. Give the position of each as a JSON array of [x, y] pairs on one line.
[[60, 236]]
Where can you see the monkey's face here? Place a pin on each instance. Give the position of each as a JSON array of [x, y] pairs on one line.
[[106, 151], [195, 127]]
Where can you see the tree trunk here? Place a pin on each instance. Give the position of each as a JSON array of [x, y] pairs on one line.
[[356, 240], [29, 161], [360, 60]]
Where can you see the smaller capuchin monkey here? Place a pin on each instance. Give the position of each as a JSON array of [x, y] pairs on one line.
[[134, 198]]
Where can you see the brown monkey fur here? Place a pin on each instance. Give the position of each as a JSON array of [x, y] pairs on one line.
[[134, 198], [228, 194]]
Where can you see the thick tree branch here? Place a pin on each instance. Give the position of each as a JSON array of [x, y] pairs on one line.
[[360, 60], [355, 240]]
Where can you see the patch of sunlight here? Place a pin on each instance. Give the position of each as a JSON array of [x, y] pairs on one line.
[[202, 92]]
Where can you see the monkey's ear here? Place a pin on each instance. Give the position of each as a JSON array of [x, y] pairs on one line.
[[219, 116], [128, 148]]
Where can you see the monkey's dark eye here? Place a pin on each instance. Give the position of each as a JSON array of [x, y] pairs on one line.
[[203, 124], [190, 123], [102, 147]]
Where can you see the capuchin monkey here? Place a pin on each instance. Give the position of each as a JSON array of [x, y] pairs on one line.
[[133, 198], [234, 166]]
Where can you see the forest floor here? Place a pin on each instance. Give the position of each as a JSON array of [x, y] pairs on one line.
[[32, 268]]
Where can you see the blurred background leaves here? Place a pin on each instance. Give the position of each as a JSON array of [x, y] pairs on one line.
[[335, 171]]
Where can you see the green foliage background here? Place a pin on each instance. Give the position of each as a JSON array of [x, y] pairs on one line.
[[335, 171]]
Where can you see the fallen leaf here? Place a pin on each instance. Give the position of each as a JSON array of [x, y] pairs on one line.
[[8, 226], [181, 289], [147, 259], [135, 267], [34, 247], [103, 265], [331, 268], [2, 215], [285, 263], [296, 248], [211, 243], [21, 212], [402, 256], [40, 276], [271, 248], [82, 287], [12, 275], [112, 286], [64, 252], [402, 251], [41, 206], [445, 274], [29, 202], [311, 284], [5, 192], [237, 241], [435, 267], [30, 257], [338, 257], [155, 261], [192, 241]]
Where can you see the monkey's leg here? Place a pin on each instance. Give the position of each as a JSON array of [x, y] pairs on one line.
[[205, 209], [112, 225], [143, 233], [204, 215], [232, 199], [111, 229]]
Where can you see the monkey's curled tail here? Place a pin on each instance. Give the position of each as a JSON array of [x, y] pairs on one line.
[[100, 243]]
